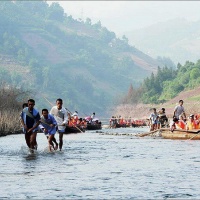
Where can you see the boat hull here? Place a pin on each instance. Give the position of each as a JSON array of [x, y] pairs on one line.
[[180, 134], [70, 129], [94, 127]]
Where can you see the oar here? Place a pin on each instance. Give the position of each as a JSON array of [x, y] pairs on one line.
[[146, 134], [66, 109]]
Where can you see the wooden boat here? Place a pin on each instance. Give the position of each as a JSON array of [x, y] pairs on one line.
[[120, 126], [94, 126], [179, 134], [74, 129]]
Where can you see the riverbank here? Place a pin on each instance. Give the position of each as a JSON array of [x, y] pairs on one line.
[[3, 134], [143, 111], [10, 122]]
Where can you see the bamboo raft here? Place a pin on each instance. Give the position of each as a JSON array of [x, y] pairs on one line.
[[165, 134], [177, 134], [180, 134]]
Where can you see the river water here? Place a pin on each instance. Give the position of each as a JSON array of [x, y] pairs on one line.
[[95, 166]]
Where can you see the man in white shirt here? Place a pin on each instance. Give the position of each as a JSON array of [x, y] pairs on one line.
[[179, 110], [60, 115]]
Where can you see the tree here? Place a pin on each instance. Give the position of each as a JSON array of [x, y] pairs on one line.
[[125, 39], [97, 25], [88, 21], [55, 12], [195, 73]]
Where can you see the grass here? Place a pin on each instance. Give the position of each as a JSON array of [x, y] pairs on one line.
[[194, 98], [9, 122], [10, 107]]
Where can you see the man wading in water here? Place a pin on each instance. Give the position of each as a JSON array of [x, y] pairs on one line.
[[30, 120], [48, 125], [60, 115]]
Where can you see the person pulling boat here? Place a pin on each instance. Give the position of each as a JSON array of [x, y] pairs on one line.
[[61, 117], [30, 119], [48, 126]]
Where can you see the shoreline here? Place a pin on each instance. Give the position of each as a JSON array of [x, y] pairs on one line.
[[3, 134]]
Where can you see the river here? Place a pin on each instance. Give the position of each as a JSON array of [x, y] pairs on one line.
[[95, 166]]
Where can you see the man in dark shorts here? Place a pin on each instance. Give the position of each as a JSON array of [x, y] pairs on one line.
[[61, 117], [30, 120]]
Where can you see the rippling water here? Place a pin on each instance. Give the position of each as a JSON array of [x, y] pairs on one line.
[[98, 166]]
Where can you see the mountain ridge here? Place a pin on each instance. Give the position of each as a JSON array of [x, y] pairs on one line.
[[63, 57]]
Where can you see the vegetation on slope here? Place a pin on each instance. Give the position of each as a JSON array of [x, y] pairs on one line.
[[166, 84], [83, 63]]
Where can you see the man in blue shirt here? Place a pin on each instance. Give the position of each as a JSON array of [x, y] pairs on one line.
[[48, 125], [30, 120]]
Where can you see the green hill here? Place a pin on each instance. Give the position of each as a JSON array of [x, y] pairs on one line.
[[45, 50]]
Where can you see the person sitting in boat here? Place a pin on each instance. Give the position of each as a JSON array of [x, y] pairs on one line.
[[70, 122], [191, 123], [84, 123], [79, 121], [181, 122], [197, 121], [75, 117], [121, 121], [75, 114], [174, 124], [153, 120]]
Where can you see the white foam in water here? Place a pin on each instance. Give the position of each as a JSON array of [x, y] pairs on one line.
[[24, 150]]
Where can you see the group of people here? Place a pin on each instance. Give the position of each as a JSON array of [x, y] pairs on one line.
[[157, 119], [179, 120], [49, 122], [74, 120], [125, 122]]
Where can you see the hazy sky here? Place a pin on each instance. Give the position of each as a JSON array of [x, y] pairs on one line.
[[123, 16]]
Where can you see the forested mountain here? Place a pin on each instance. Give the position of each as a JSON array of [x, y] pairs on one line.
[[177, 39], [166, 84], [54, 55]]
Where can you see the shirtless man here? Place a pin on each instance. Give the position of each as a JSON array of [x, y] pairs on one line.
[[48, 125], [30, 120], [60, 115]]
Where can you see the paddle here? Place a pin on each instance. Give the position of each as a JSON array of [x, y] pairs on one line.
[[146, 134], [66, 109]]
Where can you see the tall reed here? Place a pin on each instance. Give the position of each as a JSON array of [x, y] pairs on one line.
[[11, 100]]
